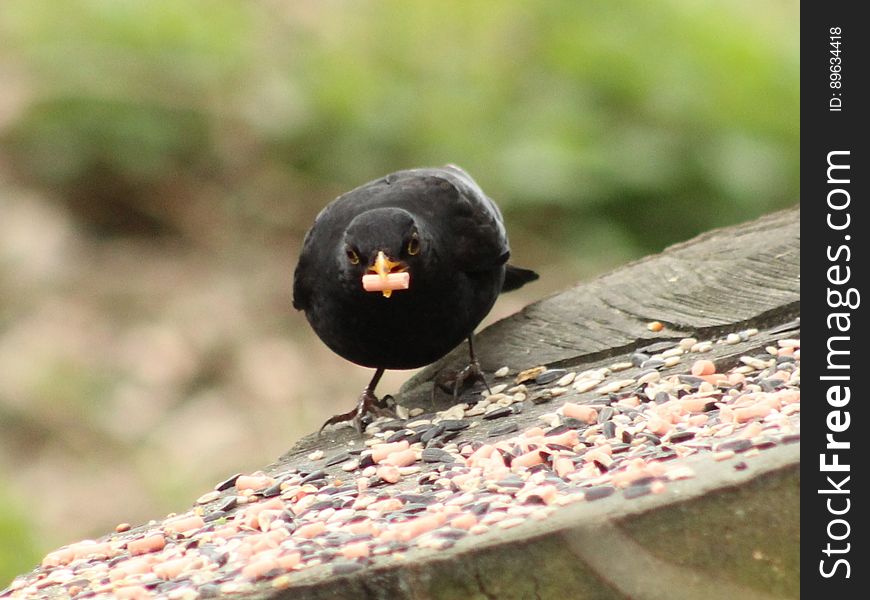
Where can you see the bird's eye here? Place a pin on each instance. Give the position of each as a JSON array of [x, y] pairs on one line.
[[413, 244], [352, 256]]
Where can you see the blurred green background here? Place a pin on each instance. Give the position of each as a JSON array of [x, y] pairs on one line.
[[161, 160]]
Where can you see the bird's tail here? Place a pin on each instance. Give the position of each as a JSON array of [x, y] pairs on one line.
[[517, 277]]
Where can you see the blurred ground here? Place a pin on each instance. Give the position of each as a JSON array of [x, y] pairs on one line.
[[160, 162]]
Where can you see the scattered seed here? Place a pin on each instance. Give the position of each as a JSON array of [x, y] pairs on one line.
[[227, 483], [549, 376], [649, 377], [208, 497], [596, 493], [584, 385], [615, 386], [566, 379], [638, 358], [687, 343], [455, 424], [407, 486], [701, 347], [529, 374], [498, 413]]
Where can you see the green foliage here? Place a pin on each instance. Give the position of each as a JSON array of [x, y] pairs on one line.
[[18, 553], [664, 118]]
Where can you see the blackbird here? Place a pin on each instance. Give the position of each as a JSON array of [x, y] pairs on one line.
[[397, 272]]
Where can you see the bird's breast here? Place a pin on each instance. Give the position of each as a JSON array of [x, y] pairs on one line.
[[411, 328]]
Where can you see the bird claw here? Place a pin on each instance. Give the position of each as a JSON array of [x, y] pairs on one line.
[[467, 377], [368, 403], [459, 381]]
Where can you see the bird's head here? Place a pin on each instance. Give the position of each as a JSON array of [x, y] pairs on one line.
[[381, 249]]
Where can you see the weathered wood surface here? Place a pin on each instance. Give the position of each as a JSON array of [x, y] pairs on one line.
[[726, 533]]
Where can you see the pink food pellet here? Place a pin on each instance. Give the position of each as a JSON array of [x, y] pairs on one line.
[[570, 438], [693, 404], [464, 521], [382, 451], [355, 550], [624, 478], [251, 515], [657, 487], [482, 452], [172, 568], [227, 531], [751, 430], [529, 459], [386, 505], [311, 530], [89, 548], [253, 482], [630, 402], [131, 566], [360, 527], [657, 425], [790, 396], [390, 473], [260, 566], [132, 592], [403, 458], [184, 524], [266, 541], [563, 466], [735, 378], [741, 415], [587, 414], [151, 543], [600, 453], [363, 501], [63, 556], [698, 420], [415, 527], [715, 379], [547, 493], [289, 560], [703, 367], [393, 281]]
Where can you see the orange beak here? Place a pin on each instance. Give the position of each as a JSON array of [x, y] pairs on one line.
[[383, 267]]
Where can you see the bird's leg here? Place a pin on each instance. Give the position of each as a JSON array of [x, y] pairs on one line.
[[367, 403], [470, 374]]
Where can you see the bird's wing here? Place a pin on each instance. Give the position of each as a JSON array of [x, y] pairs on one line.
[[469, 223], [305, 272], [517, 277]]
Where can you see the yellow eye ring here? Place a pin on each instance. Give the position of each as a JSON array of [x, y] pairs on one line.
[[352, 256], [413, 245]]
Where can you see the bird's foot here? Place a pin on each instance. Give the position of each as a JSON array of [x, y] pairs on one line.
[[456, 382], [368, 403]]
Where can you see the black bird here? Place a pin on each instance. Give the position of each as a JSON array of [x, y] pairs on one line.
[[432, 247]]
